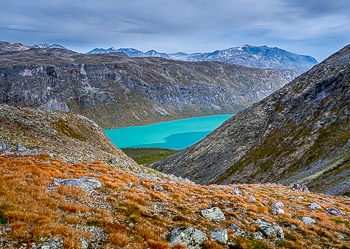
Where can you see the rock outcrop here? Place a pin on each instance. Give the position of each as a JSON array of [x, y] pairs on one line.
[[299, 134]]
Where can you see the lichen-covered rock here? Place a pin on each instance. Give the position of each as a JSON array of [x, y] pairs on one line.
[[213, 214], [270, 230], [251, 198], [314, 205], [88, 184], [301, 187], [158, 188], [308, 220], [238, 231], [334, 211], [219, 235], [277, 204], [277, 211], [188, 236]]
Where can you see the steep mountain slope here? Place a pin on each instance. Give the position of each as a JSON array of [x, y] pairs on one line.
[[114, 90], [301, 133], [251, 56]]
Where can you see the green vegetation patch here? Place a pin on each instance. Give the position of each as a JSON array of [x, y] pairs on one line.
[[148, 155]]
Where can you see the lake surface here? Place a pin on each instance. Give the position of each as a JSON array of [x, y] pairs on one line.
[[177, 134]]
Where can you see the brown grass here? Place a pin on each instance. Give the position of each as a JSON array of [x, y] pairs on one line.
[[32, 212]]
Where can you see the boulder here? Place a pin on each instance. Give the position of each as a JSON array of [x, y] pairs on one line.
[[308, 220], [219, 235], [277, 204], [188, 236], [88, 184], [158, 188], [277, 211], [238, 231], [213, 214], [301, 187], [251, 198], [334, 211], [270, 230], [314, 205]]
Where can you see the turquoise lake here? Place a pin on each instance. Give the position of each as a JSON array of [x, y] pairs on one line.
[[177, 134]]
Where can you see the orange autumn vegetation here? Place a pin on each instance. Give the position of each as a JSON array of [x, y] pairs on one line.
[[139, 218]]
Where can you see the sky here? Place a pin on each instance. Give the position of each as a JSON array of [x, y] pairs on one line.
[[311, 27]]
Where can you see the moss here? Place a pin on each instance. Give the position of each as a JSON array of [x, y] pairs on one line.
[[340, 221], [3, 208]]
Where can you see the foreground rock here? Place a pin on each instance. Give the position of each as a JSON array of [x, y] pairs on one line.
[[88, 184], [219, 235], [213, 214], [188, 236], [270, 230]]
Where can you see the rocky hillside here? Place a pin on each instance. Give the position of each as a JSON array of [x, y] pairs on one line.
[[250, 56], [115, 90], [301, 133], [71, 137], [49, 203]]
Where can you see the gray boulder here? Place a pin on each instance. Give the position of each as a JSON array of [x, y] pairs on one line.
[[300, 187], [314, 205], [219, 235], [334, 211], [188, 236], [238, 231], [270, 230], [88, 184], [308, 220], [251, 198], [277, 211], [213, 214], [3, 146], [158, 188], [277, 204]]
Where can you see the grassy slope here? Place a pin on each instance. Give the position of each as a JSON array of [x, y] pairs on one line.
[[148, 155], [32, 212]]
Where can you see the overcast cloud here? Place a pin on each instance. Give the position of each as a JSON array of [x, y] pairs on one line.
[[313, 27]]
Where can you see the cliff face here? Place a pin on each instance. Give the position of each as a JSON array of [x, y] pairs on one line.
[[301, 133], [115, 90]]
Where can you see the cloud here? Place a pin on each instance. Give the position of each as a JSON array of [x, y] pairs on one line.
[[315, 27]]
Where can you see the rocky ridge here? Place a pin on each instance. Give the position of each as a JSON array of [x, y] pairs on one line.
[[299, 134], [247, 55], [115, 90]]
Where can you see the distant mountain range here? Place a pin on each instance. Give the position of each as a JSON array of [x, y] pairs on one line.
[[45, 45], [116, 90], [251, 56]]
